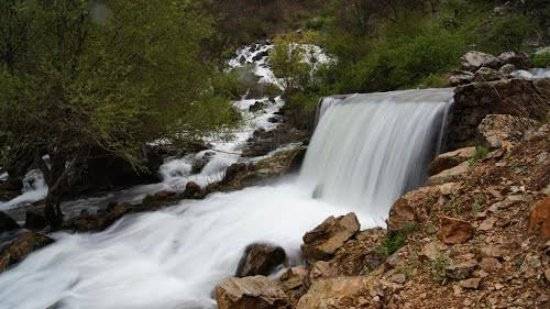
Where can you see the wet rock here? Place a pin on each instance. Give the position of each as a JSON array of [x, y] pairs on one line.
[[333, 293], [539, 219], [454, 231], [504, 130], [35, 221], [322, 242], [250, 292], [450, 159], [201, 162], [193, 191], [256, 107], [473, 60], [7, 223], [19, 248], [518, 60], [485, 74], [260, 259]]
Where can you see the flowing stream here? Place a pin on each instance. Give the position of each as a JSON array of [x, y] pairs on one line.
[[366, 151]]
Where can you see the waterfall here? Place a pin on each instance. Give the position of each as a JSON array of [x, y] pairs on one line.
[[367, 150]]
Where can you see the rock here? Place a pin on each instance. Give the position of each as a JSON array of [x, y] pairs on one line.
[[460, 78], [193, 191], [450, 159], [473, 102], [547, 274], [19, 248], [35, 221], [201, 162], [260, 259], [539, 219], [320, 270], [455, 231], [461, 270], [487, 224], [332, 293], [472, 283], [293, 278], [7, 223], [518, 60], [401, 215], [473, 60], [322, 242], [431, 251], [485, 74], [492, 251], [490, 264], [250, 292], [408, 209], [449, 188], [449, 175], [398, 278], [504, 130], [258, 106], [507, 69]]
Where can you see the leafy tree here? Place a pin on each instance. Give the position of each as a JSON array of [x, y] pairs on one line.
[[87, 78]]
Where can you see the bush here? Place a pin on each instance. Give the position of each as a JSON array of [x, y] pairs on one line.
[[541, 60], [508, 32]]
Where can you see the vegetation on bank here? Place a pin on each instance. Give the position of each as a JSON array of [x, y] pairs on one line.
[[81, 79]]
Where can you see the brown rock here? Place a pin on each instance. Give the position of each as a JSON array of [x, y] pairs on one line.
[[473, 60], [461, 270], [193, 190], [319, 270], [250, 292], [490, 264], [19, 248], [487, 224], [449, 175], [472, 283], [260, 259], [401, 214], [539, 219], [322, 242], [293, 278], [409, 208], [504, 130], [455, 231], [333, 293]]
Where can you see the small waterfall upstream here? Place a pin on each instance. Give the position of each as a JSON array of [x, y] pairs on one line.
[[366, 151]]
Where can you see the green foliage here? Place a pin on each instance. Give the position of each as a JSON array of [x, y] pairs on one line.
[[480, 154], [78, 78], [505, 33], [438, 267], [395, 240], [541, 60]]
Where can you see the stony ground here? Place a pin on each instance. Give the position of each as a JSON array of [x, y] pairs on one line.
[[475, 237]]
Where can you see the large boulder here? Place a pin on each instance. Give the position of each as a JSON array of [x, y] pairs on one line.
[[473, 60], [504, 130], [7, 223], [260, 259], [408, 210], [250, 292], [19, 248], [460, 78], [322, 242], [450, 159], [450, 175], [473, 102]]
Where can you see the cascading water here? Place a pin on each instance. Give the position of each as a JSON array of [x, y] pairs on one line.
[[367, 149]]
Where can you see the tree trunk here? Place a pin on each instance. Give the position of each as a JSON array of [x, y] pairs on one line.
[[56, 178], [53, 212]]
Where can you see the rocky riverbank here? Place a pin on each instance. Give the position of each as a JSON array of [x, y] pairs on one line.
[[476, 235]]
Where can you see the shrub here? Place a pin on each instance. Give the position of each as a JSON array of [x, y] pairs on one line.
[[541, 60]]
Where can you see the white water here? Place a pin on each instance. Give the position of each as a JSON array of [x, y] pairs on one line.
[[364, 152], [369, 149]]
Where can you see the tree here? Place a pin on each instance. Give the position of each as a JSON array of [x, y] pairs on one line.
[[82, 78]]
